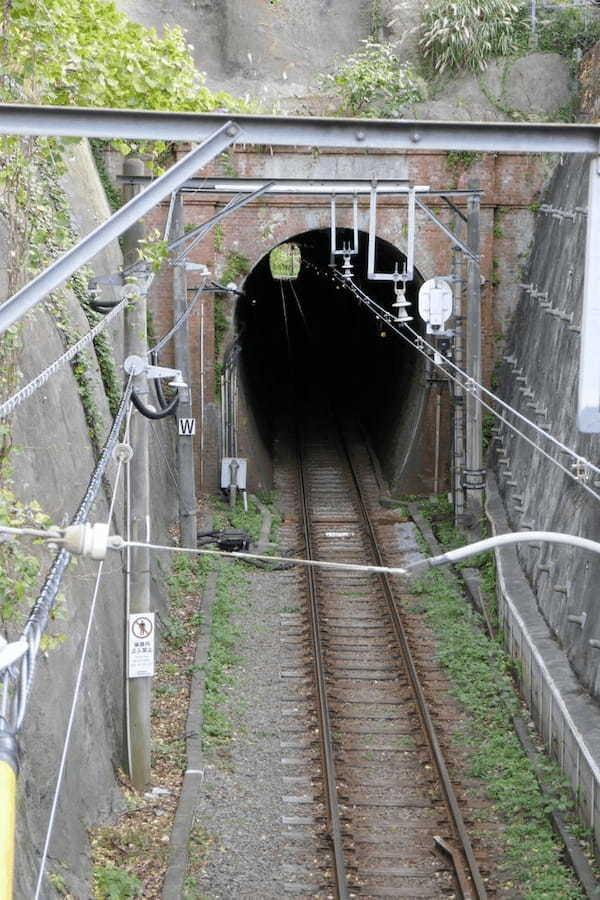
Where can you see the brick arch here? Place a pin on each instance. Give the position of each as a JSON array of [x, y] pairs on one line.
[[402, 429]]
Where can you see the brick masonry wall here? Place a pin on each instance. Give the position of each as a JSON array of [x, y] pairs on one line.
[[511, 186]]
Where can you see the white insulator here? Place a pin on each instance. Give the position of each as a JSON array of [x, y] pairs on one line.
[[87, 540]]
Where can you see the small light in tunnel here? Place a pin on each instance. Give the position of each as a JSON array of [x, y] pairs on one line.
[[285, 261]]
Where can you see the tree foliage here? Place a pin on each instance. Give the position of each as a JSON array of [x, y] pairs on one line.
[[89, 54]]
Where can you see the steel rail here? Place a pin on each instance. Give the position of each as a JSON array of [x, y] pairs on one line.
[[457, 821], [329, 774]]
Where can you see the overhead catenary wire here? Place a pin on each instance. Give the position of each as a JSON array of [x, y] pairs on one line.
[[179, 322], [469, 384]]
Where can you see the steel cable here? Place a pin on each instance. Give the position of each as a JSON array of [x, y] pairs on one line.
[[40, 612], [76, 692], [469, 385], [8, 406]]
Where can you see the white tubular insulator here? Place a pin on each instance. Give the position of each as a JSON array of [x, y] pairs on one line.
[[517, 537], [10, 653], [87, 540]]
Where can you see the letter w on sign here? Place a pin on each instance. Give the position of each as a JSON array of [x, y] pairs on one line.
[[187, 426]]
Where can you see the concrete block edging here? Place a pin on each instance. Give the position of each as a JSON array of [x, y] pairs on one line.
[[567, 721]]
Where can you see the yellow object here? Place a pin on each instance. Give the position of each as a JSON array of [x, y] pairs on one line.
[[8, 790]]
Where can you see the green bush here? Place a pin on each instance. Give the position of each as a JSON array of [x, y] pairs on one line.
[[462, 34], [374, 82], [115, 884], [566, 30]]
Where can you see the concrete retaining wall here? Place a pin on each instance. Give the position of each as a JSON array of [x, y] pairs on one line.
[[565, 716]]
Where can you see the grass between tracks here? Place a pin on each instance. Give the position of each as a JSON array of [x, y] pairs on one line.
[[481, 675]]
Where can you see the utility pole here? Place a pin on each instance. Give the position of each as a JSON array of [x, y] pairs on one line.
[[473, 474], [185, 442], [458, 397], [138, 558]]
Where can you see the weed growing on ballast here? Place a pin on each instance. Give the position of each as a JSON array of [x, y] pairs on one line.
[[222, 655], [481, 678]]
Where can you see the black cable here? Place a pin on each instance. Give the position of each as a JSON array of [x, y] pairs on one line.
[[160, 394], [152, 413], [103, 306]]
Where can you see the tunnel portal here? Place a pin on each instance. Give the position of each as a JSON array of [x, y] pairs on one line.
[[307, 339]]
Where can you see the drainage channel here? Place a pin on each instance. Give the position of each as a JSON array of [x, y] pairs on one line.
[[390, 824]]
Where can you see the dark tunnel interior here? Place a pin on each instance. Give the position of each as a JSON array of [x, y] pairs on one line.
[[307, 341]]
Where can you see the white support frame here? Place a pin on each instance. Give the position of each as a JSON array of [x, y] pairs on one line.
[[334, 248], [408, 273]]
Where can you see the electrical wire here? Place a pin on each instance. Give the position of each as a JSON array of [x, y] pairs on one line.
[[180, 321], [471, 386], [40, 612], [75, 698], [292, 561], [8, 406]]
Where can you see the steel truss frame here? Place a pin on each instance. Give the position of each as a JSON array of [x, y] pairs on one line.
[[370, 134]]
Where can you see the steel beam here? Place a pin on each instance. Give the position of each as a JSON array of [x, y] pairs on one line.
[[205, 227], [588, 405], [449, 234], [384, 134], [301, 186], [58, 272]]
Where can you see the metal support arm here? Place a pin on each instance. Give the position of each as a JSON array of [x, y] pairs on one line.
[[58, 272]]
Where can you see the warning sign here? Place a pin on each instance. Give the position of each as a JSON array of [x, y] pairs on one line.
[[140, 645]]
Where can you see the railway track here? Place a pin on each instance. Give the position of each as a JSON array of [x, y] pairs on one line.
[[388, 819]]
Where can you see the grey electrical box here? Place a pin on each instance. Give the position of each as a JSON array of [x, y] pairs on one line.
[[233, 472]]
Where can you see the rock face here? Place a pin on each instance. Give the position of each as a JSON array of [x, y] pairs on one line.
[[534, 86], [269, 49], [272, 50], [52, 460]]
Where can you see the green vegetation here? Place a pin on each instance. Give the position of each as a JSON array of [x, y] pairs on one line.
[[285, 261], [90, 54], [218, 237], [460, 160], [19, 569], [222, 656], [481, 674], [199, 845], [460, 34], [566, 30], [115, 884], [236, 264], [374, 82], [112, 195]]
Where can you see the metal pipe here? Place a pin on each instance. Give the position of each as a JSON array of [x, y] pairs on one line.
[[186, 476], [436, 465], [61, 269]]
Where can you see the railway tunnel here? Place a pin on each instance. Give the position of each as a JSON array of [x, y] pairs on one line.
[[306, 340]]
